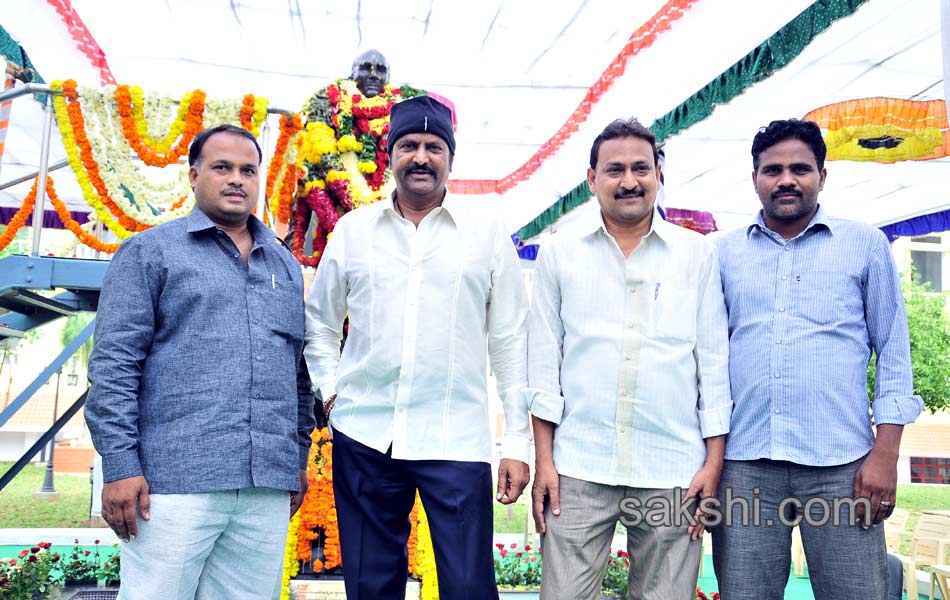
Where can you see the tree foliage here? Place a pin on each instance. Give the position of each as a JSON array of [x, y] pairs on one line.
[[929, 327]]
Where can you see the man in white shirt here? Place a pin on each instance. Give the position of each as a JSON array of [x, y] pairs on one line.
[[432, 286], [629, 389]]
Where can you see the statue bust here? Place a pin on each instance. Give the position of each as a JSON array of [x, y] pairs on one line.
[[342, 151]]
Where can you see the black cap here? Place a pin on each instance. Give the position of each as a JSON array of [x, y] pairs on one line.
[[421, 114]]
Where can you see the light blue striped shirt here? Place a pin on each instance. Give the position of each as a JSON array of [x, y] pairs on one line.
[[804, 316]]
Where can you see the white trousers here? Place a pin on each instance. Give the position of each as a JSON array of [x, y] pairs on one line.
[[214, 546]]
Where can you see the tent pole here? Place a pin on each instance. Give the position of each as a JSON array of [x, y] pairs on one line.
[[40, 205]]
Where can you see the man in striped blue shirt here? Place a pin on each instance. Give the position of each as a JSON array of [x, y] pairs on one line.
[[809, 297]]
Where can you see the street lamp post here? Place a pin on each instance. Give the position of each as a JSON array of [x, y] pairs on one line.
[[48, 480]]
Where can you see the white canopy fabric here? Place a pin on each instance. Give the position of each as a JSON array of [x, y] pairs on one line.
[[515, 71]]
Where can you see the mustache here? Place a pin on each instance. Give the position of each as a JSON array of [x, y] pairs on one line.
[[420, 169], [233, 189], [629, 194], [793, 192]]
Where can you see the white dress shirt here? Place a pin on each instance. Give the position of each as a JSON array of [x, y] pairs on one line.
[[427, 306], [629, 357]]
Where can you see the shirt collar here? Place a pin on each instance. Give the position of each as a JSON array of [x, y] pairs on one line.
[[453, 206], [197, 220], [659, 226], [821, 220]]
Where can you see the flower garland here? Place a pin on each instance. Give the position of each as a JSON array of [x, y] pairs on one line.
[[163, 121], [145, 127], [291, 566], [318, 512], [319, 202], [136, 195], [317, 520], [100, 150], [20, 217], [342, 152], [283, 168], [79, 155], [192, 125], [72, 225], [253, 113], [425, 560]]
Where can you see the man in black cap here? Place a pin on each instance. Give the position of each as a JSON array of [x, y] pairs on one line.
[[432, 286]]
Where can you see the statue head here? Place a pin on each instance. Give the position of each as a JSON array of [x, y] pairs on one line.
[[370, 72]]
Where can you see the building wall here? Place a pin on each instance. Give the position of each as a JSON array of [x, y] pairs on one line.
[[14, 443]]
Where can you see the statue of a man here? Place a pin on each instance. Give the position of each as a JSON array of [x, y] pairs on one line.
[[343, 151], [370, 72]]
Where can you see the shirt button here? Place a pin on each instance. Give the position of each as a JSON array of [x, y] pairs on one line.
[[781, 309], [628, 357], [256, 321], [777, 375], [259, 357], [788, 249], [251, 286], [784, 277], [778, 411], [778, 341], [631, 325]]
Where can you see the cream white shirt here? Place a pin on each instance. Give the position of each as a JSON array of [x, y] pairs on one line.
[[427, 307], [629, 356]]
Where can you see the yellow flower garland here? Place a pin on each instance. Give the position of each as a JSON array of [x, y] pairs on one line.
[[291, 566], [425, 560], [72, 156]]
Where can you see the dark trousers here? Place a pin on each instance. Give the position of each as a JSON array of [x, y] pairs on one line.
[[751, 555], [374, 495]]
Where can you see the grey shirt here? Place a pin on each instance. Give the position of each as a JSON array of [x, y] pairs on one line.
[[197, 377]]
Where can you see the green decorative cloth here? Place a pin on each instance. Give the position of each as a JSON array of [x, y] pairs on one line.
[[772, 55], [16, 54]]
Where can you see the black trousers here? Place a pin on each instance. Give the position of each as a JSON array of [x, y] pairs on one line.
[[374, 495]]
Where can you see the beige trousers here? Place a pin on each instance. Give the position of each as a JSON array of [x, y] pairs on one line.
[[664, 562]]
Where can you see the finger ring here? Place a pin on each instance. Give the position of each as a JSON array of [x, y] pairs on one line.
[[883, 503]]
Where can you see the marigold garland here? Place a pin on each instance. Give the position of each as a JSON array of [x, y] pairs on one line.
[[291, 566], [425, 560], [71, 224], [342, 152], [317, 520], [163, 145], [151, 157], [253, 113], [282, 169], [79, 155], [20, 217]]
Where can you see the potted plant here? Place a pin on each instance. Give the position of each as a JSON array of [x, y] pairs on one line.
[[517, 569], [28, 577], [109, 572], [81, 567]]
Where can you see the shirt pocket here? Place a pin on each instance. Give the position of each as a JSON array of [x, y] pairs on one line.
[[817, 296], [285, 307], [672, 310]]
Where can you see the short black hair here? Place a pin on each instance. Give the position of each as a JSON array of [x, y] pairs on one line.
[[194, 152], [621, 129], [790, 129]]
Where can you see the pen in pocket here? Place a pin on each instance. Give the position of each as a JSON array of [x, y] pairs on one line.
[[656, 291], [273, 283]]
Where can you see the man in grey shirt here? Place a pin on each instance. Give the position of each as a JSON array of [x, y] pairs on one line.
[[200, 406]]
